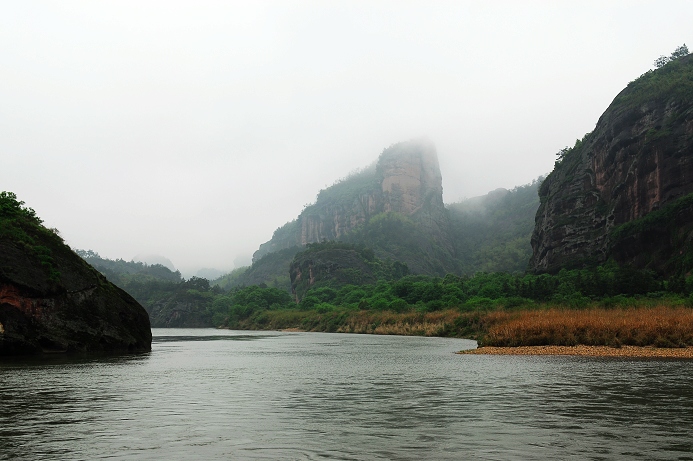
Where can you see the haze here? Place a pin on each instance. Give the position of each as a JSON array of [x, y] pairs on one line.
[[193, 130]]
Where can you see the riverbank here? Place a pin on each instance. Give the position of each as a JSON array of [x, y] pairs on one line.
[[587, 351], [664, 327]]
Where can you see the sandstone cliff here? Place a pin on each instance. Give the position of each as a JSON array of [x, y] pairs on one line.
[[405, 181], [53, 301], [638, 162]]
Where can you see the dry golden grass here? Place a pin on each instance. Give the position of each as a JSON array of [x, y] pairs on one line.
[[657, 326], [391, 323]]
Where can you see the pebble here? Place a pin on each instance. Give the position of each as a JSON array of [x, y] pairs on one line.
[[590, 351]]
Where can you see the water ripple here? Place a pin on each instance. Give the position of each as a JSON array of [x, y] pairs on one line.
[[217, 395]]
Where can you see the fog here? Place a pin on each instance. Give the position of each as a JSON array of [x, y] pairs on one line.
[[193, 130]]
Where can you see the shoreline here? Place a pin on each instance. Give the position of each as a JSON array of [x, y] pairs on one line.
[[586, 351]]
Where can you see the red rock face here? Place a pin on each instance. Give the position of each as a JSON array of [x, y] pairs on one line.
[[639, 159], [10, 295]]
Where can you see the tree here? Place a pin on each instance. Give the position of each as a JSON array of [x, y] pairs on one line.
[[661, 61], [679, 52]]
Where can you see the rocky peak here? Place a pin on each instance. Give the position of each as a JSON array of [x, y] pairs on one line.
[[410, 177], [406, 179]]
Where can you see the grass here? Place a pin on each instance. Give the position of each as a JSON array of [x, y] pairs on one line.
[[661, 326], [647, 324]]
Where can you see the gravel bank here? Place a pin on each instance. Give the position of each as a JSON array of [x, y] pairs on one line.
[[591, 351]]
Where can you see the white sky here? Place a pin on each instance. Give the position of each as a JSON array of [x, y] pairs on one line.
[[194, 129]]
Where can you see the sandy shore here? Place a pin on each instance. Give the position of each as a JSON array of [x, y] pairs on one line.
[[591, 351]]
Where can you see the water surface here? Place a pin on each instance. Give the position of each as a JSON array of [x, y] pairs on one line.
[[210, 394]]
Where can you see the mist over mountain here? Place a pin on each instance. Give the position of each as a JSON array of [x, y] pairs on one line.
[[154, 259], [395, 208]]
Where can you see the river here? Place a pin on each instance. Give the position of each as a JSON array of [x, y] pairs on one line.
[[218, 395]]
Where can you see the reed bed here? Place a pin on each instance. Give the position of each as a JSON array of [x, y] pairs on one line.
[[411, 323], [659, 326]]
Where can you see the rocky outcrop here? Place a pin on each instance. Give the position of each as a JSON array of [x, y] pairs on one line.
[[176, 314], [336, 264], [53, 301], [638, 160], [406, 180]]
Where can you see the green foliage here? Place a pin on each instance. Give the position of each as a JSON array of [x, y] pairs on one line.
[[483, 291], [397, 237], [12, 208], [20, 225], [335, 264], [122, 272], [679, 52], [671, 81], [345, 192], [492, 233], [232, 279]]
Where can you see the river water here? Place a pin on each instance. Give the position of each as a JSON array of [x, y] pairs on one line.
[[218, 395]]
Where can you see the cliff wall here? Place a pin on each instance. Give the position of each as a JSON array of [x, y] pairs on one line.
[[638, 160], [406, 180]]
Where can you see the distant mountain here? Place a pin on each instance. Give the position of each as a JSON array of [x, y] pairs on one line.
[[169, 299], [152, 259], [625, 191], [395, 208], [122, 272], [209, 273]]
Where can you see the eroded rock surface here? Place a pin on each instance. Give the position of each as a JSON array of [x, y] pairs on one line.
[[621, 191]]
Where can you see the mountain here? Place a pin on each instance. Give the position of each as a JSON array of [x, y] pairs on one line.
[[53, 301], [492, 233], [395, 208], [405, 181], [152, 259], [624, 191]]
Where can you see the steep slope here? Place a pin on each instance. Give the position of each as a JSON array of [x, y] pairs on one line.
[[394, 207], [53, 301], [621, 192]]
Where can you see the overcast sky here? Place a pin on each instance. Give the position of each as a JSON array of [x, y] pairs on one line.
[[194, 129]]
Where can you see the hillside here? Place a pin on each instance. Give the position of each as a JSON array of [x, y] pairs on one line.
[[405, 180], [492, 233], [395, 208], [169, 299], [623, 192], [53, 301]]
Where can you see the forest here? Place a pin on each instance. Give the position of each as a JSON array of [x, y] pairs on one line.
[[651, 309]]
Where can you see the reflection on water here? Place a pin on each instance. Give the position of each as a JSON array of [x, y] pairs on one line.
[[244, 395], [163, 339]]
